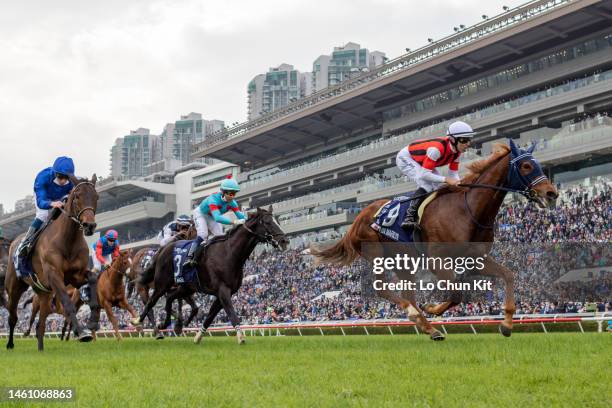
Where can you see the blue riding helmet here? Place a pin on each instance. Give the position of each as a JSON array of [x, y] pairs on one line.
[[63, 165], [230, 185]]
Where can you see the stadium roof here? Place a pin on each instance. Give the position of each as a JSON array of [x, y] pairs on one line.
[[357, 104]]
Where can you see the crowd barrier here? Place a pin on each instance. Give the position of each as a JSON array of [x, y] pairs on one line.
[[543, 323]]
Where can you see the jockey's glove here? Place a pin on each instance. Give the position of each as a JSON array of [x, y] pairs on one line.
[[238, 222]]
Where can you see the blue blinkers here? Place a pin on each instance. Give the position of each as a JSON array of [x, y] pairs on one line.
[[518, 181]]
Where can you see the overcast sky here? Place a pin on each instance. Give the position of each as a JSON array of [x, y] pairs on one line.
[[75, 75]]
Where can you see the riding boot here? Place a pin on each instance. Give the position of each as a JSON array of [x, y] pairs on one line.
[[411, 220], [191, 260], [24, 246]]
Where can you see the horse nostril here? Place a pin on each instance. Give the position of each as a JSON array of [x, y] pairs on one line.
[[552, 195]]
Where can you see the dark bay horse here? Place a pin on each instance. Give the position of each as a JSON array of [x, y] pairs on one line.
[[59, 258], [457, 215], [219, 269], [135, 278], [4, 260]]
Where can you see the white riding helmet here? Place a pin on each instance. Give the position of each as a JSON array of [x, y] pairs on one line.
[[460, 129]]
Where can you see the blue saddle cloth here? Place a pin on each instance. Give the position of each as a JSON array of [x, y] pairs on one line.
[[23, 266], [390, 217], [179, 256]]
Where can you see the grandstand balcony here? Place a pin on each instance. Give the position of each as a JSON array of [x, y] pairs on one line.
[[134, 212], [550, 105], [317, 221]]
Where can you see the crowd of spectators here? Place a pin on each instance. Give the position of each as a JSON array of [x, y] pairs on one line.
[[540, 246]]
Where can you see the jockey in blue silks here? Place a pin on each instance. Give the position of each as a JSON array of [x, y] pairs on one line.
[[50, 186], [208, 215]]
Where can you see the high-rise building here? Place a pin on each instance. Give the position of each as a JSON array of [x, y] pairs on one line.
[[186, 132], [276, 88], [344, 62], [116, 158], [132, 154]]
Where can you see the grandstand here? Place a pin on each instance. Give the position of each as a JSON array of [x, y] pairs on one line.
[[540, 72]]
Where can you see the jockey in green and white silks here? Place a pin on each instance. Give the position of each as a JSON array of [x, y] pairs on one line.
[[209, 216]]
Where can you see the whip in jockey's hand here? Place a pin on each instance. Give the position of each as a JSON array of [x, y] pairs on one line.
[[420, 159]]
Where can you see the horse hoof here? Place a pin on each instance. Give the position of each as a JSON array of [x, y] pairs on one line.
[[159, 336], [10, 346], [505, 331], [198, 337], [437, 336], [240, 338], [85, 336], [136, 322]]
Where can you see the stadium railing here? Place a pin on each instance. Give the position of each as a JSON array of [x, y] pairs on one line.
[[542, 323]]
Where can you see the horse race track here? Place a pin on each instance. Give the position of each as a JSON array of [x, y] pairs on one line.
[[556, 369]]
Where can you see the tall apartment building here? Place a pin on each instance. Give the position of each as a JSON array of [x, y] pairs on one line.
[[343, 63], [132, 154], [276, 88], [186, 132]]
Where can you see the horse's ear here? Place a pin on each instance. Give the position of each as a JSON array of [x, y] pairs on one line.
[[73, 179], [532, 147], [270, 209], [94, 178], [514, 148]]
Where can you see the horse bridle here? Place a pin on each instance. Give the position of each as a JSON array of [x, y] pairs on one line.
[[267, 238], [77, 218], [524, 185]]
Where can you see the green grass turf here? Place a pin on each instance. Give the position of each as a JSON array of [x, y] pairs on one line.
[[555, 369]]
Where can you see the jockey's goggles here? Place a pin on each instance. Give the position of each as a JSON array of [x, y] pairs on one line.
[[464, 140], [111, 240], [229, 193], [61, 176]]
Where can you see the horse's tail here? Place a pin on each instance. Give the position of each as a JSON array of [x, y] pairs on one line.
[[341, 253]]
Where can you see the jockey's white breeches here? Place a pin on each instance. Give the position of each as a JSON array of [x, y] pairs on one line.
[[414, 171], [206, 225]]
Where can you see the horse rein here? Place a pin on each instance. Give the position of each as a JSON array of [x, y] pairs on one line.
[[267, 238], [77, 218], [528, 192]]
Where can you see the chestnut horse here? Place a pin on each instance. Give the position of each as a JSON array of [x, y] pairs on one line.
[[59, 258], [459, 215], [111, 291]]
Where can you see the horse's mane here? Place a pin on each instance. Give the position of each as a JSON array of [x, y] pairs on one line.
[[234, 229], [478, 167]]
